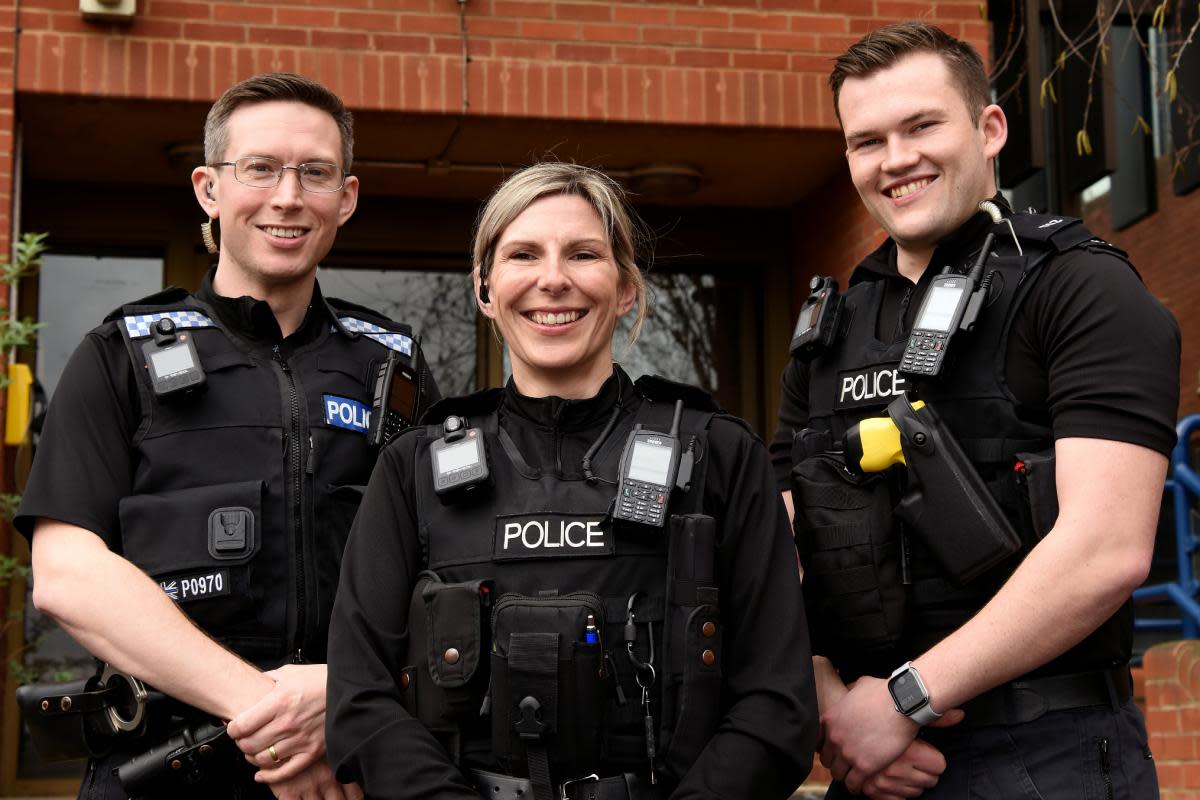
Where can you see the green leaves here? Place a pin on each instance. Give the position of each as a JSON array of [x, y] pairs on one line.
[[29, 250]]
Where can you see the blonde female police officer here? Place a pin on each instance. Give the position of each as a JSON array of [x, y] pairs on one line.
[[515, 640]]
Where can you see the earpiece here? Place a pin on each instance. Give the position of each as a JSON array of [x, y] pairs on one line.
[[208, 191]]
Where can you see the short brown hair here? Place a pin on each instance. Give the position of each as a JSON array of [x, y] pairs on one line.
[[882, 48], [626, 231], [265, 88]]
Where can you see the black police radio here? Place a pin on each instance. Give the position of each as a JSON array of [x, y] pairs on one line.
[[172, 360], [819, 322], [952, 303], [459, 461], [394, 406], [649, 467]]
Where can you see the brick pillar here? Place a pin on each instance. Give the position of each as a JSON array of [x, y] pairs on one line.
[[1173, 716], [8, 44]]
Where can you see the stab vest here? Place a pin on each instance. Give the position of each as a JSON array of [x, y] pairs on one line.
[[243, 492], [858, 377], [543, 546]]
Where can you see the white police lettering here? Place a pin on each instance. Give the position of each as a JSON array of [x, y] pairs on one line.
[[1050, 224], [343, 412], [201, 585], [540, 534], [869, 385], [355, 416]]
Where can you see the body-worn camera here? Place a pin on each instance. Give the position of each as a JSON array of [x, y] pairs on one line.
[[819, 322], [459, 461], [172, 360]]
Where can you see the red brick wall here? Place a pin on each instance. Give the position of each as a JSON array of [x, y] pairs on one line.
[[831, 233], [8, 45], [736, 62], [1173, 716], [1163, 248]]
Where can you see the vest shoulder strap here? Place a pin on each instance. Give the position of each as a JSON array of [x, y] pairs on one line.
[[353, 320], [662, 390], [473, 406], [1058, 234], [171, 296]]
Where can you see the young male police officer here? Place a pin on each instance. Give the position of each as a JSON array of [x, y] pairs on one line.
[[193, 538], [1018, 682]]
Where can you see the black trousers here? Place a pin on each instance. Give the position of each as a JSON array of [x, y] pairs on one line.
[[1092, 753]]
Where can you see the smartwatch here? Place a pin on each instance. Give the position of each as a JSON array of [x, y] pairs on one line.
[[910, 695]]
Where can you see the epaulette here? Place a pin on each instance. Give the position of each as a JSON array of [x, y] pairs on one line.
[[344, 308], [739, 422], [353, 320], [1059, 233], [168, 296], [485, 401], [663, 390]]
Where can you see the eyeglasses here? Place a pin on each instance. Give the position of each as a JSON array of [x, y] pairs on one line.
[[263, 172]]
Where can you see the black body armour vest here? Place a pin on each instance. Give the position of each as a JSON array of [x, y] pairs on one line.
[[243, 493], [864, 615], [546, 555]]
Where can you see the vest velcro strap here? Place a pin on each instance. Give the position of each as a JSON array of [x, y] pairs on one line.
[[847, 581], [827, 495], [867, 628], [533, 669], [836, 537]]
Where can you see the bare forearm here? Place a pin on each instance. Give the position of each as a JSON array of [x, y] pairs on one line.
[[121, 616], [1068, 585]]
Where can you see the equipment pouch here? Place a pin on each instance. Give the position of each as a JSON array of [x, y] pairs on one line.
[[446, 641], [82, 719], [547, 680], [850, 550], [691, 677], [1035, 474]]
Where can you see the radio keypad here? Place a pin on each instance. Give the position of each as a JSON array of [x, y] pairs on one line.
[[924, 352], [642, 502]]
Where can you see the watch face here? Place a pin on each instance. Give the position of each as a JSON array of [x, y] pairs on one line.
[[908, 692]]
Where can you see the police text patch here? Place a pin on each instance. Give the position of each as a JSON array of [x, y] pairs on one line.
[[342, 412], [551, 535], [198, 586], [870, 387]]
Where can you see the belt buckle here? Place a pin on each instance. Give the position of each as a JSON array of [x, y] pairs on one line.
[[563, 790]]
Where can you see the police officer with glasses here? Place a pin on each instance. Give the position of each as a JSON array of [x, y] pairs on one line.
[[578, 585], [202, 460]]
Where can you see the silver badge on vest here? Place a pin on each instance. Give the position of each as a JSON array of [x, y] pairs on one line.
[[550, 535], [870, 387]]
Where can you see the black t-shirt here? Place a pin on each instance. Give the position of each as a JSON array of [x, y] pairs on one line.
[[1091, 352], [763, 747], [85, 459]]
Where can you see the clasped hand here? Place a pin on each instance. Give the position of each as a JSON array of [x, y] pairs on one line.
[[874, 750], [283, 734]]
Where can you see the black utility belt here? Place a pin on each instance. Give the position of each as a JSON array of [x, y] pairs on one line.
[[628, 786], [1026, 700]]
